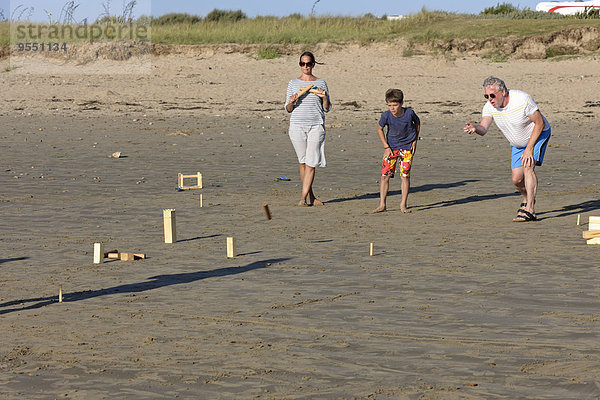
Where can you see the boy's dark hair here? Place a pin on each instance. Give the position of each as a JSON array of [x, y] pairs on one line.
[[394, 95]]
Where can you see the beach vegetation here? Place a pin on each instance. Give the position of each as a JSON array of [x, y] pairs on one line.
[[268, 53], [424, 28], [589, 13], [108, 17], [4, 33], [176, 18], [421, 27], [496, 56], [217, 15], [559, 51], [499, 9]]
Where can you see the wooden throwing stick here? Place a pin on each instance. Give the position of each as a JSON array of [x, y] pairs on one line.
[[304, 89]]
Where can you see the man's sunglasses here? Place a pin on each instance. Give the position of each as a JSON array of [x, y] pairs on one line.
[[491, 95], [308, 64]]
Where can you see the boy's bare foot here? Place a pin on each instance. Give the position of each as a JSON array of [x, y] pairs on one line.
[[302, 204], [378, 210], [317, 202], [404, 210]]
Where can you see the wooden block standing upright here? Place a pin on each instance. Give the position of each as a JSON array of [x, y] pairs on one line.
[[170, 226], [98, 253], [371, 249], [230, 248], [60, 296], [266, 209]]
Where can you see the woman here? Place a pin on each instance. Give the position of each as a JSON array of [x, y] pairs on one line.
[[307, 124]]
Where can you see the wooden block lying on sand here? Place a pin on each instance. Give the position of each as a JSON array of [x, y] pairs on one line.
[[126, 256], [591, 234], [131, 256], [110, 254]]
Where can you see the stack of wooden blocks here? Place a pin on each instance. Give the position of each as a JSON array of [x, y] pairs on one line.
[[593, 234]]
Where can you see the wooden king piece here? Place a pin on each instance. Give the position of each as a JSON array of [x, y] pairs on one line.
[[304, 89]]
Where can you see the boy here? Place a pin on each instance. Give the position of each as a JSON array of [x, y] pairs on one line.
[[399, 146]]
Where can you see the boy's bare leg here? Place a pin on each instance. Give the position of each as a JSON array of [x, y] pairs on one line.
[[405, 185], [384, 186]]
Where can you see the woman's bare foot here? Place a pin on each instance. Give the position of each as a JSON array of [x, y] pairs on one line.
[[404, 210], [302, 203], [317, 202], [378, 210]]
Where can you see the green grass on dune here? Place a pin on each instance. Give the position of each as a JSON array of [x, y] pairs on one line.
[[4, 34], [422, 27]]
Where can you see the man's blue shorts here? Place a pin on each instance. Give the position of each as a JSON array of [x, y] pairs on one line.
[[538, 151]]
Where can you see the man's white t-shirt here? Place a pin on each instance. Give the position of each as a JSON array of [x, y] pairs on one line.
[[513, 120]]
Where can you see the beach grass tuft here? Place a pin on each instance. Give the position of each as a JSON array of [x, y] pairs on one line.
[[268, 53]]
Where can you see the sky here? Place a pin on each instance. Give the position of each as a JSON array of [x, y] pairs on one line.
[[92, 9]]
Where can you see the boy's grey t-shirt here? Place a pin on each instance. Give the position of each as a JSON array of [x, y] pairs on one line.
[[402, 131], [309, 108]]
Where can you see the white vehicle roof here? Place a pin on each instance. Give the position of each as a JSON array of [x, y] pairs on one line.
[[567, 7]]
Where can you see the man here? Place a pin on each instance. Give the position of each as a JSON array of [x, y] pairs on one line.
[[519, 119]]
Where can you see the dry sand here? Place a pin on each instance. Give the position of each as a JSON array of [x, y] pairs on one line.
[[457, 302]]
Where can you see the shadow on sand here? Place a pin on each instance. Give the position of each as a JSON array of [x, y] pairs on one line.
[[583, 207], [154, 282], [466, 200], [416, 189], [5, 260]]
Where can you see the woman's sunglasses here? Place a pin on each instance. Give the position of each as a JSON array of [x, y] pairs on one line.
[[308, 64]]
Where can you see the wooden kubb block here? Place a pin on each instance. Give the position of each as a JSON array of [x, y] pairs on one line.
[[181, 177], [169, 225], [98, 253], [594, 225]]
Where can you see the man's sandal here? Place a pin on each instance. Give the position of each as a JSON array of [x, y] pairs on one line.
[[524, 216]]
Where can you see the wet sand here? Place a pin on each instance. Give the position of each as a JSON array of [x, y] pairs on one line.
[[456, 302]]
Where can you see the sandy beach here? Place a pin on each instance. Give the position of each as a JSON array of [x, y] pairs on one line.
[[457, 301]]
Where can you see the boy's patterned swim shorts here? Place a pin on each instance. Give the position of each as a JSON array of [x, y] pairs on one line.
[[403, 157]]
